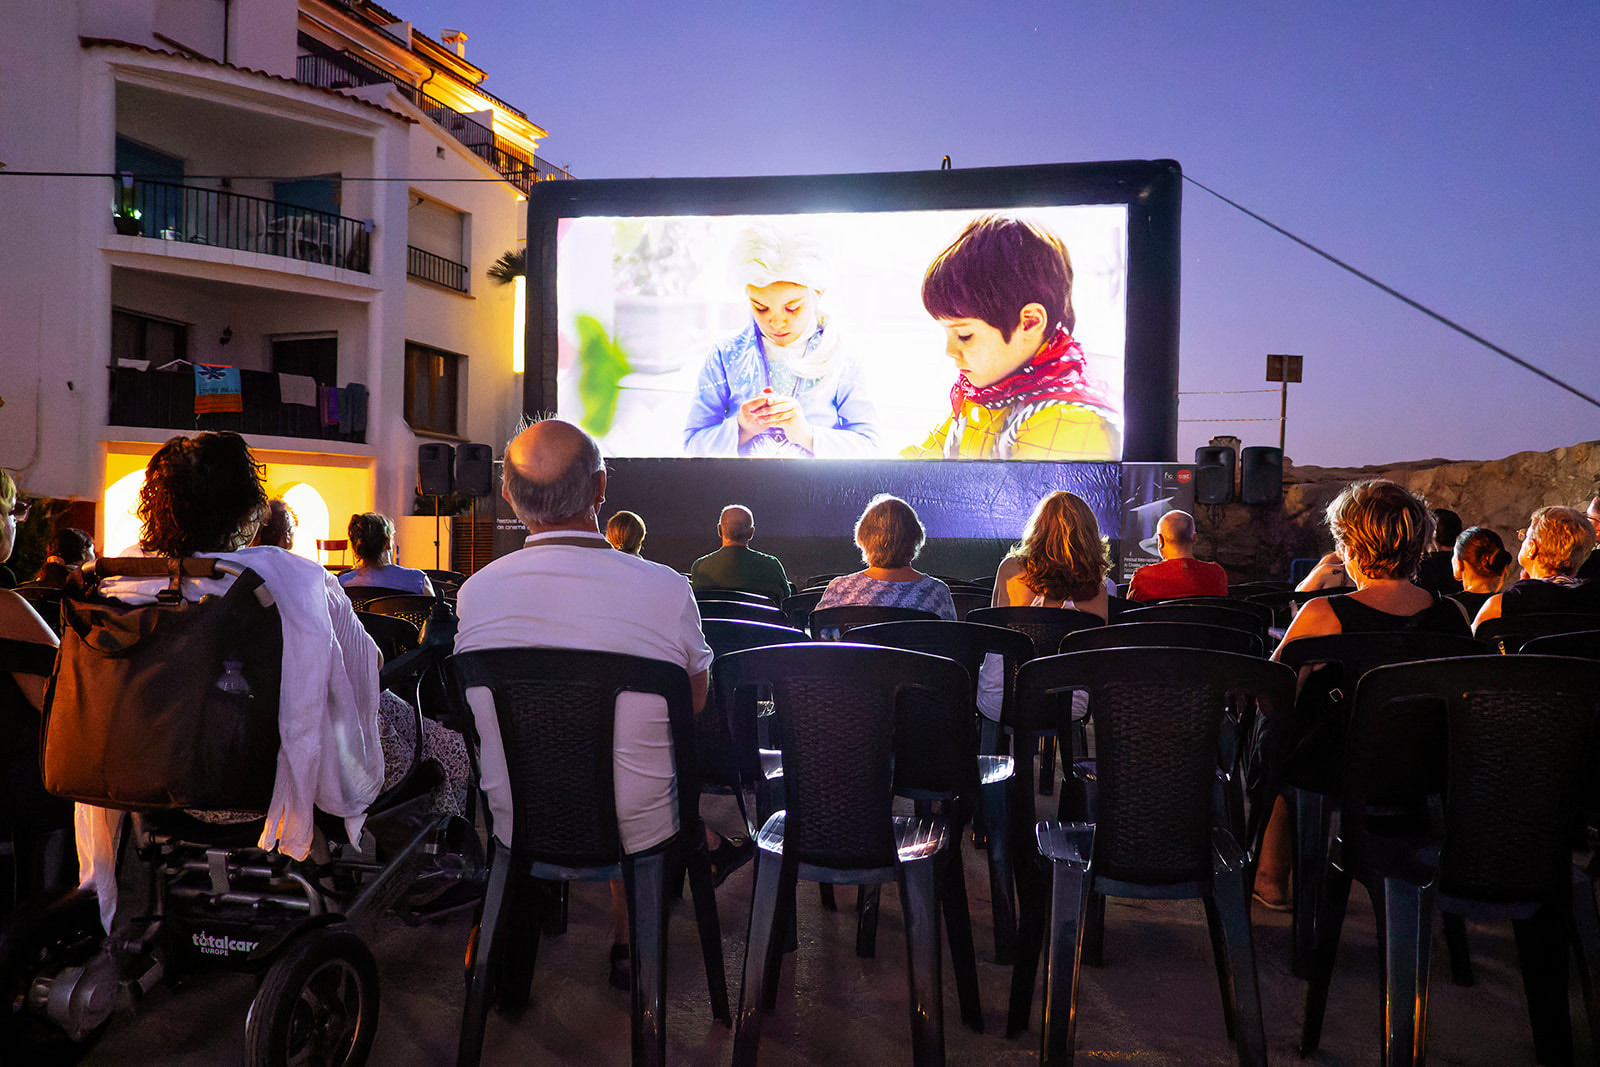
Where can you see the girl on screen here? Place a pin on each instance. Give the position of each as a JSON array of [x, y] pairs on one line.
[[785, 385], [1003, 293]]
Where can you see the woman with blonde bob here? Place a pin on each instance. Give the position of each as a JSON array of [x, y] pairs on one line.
[[1059, 563], [1554, 546], [1380, 529], [890, 537], [626, 531]]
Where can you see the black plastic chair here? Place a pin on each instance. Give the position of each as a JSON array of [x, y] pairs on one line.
[[738, 609], [394, 636], [1159, 712], [1212, 611], [737, 595], [1284, 603], [818, 581], [412, 607], [1509, 634], [361, 595], [846, 617], [969, 644], [1045, 627], [798, 607], [968, 600], [556, 709], [1584, 644], [45, 600], [1178, 634], [1506, 741], [726, 733], [900, 716]]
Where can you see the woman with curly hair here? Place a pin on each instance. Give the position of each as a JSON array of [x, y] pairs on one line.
[[1059, 563]]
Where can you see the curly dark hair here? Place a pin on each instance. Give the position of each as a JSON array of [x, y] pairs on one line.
[[201, 494]]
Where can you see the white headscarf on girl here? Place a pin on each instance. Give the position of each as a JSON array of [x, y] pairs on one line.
[[764, 254]]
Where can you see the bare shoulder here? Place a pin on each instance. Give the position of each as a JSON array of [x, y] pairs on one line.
[[20, 622]]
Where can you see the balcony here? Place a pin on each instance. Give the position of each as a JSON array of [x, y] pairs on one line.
[[328, 69], [427, 267], [165, 400], [249, 224]]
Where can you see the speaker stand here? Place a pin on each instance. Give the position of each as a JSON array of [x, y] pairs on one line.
[[436, 533]]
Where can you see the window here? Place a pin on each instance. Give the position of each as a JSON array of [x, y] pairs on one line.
[[432, 388], [437, 243], [142, 337], [315, 357]]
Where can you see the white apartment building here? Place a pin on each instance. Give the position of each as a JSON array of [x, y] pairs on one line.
[[319, 190]]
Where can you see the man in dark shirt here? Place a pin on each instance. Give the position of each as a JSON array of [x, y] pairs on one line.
[[1178, 573], [736, 565], [1435, 573]]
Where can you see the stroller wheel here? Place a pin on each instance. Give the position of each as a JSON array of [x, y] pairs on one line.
[[317, 1005]]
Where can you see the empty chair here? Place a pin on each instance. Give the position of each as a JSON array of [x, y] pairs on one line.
[[1284, 603], [1504, 742], [1213, 611], [726, 735], [45, 600], [798, 607], [412, 607], [842, 619], [1582, 643], [968, 644], [966, 600], [738, 609], [1508, 633], [850, 721], [1158, 834], [1045, 627], [556, 710], [393, 635], [1178, 634], [1312, 767]]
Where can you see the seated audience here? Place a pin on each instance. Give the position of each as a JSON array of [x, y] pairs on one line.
[[202, 496], [1380, 530], [372, 540], [1059, 563], [736, 565], [556, 592], [35, 815], [1436, 572], [70, 549], [277, 529], [1179, 573], [625, 531], [890, 537], [1554, 546], [1591, 566], [1482, 565]]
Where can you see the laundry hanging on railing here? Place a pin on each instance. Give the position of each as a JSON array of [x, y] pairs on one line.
[[217, 389]]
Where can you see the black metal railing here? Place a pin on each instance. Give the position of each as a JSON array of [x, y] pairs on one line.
[[180, 212], [341, 70], [165, 400], [436, 269]]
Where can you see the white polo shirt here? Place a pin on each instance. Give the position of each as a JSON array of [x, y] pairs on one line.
[[568, 589]]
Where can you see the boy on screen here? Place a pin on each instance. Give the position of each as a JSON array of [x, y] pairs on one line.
[[1003, 293], [784, 385]]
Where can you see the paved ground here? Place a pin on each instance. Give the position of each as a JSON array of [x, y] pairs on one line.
[[1155, 1000]]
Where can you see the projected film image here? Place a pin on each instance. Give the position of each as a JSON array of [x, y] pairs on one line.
[[951, 334]]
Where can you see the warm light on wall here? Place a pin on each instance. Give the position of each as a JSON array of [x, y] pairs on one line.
[[310, 518], [518, 317]]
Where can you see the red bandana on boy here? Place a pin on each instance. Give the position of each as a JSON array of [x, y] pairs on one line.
[[1056, 374]]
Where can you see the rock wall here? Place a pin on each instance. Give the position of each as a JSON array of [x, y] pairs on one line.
[[1254, 541]]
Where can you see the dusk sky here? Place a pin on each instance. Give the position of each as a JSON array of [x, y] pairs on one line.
[[1452, 150]]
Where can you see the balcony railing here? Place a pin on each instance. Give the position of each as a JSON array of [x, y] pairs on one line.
[[249, 224], [342, 70], [436, 269], [165, 400]]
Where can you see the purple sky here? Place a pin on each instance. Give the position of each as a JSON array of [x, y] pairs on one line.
[[1449, 149]]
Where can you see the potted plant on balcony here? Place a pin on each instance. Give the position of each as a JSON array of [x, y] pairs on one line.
[[124, 216]]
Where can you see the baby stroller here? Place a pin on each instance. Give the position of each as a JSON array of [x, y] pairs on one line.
[[213, 899]]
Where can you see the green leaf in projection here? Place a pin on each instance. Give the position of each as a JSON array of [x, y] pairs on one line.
[[602, 364]]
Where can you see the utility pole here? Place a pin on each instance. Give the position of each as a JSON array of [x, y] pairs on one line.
[[1285, 369]]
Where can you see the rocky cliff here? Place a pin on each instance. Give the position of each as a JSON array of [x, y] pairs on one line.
[[1258, 541]]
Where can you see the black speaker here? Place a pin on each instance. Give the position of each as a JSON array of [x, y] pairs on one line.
[[435, 463], [1213, 474], [1261, 475], [475, 469]]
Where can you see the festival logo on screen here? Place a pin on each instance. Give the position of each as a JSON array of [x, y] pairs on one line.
[[925, 334]]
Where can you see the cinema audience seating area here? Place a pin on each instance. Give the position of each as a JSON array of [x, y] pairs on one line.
[[850, 766]]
